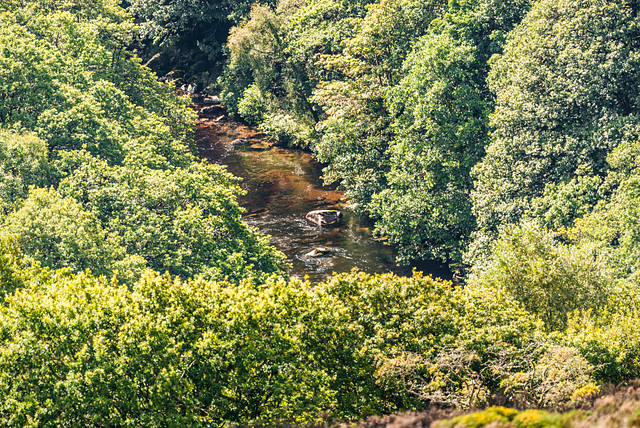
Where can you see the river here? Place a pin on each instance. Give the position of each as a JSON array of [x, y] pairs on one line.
[[282, 186]]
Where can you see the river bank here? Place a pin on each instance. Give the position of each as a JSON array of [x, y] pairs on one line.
[[282, 186]]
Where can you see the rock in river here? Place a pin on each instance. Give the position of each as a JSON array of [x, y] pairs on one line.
[[324, 217], [318, 252], [211, 110], [212, 100]]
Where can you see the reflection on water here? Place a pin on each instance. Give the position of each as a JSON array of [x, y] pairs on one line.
[[282, 187]]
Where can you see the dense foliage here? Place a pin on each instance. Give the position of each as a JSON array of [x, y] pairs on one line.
[[445, 122], [80, 350], [498, 135], [183, 41], [566, 97], [79, 113]]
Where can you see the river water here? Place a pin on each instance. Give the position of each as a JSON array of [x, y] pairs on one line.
[[282, 186]]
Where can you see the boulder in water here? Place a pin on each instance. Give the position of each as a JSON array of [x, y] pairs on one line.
[[212, 100], [318, 252], [324, 217]]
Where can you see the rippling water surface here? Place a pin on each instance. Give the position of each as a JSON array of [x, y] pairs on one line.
[[282, 187]]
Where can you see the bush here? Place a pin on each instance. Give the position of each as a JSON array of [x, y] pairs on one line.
[[253, 106], [550, 279], [610, 340], [81, 351]]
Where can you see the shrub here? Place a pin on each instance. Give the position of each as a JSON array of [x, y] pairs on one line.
[[550, 279]]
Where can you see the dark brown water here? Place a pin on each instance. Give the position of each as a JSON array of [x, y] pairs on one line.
[[282, 187]]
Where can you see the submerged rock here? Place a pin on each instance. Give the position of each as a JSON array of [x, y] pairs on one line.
[[260, 146], [318, 252], [324, 217]]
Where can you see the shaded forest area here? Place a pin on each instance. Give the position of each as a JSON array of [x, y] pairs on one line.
[[501, 136]]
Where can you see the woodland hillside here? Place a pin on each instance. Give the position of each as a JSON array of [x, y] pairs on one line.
[[499, 136]]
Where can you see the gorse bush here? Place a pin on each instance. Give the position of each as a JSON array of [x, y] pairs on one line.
[[193, 353]]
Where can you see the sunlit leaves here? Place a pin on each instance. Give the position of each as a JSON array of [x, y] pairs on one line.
[[182, 220], [566, 96], [549, 278], [23, 162], [58, 233]]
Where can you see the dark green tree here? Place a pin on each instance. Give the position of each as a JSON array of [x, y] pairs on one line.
[[438, 111], [424, 207], [566, 96]]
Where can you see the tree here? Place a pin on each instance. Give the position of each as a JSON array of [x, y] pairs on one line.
[[356, 132], [23, 162], [566, 96], [186, 221], [549, 278], [113, 134], [274, 64], [58, 233], [610, 230], [71, 81], [440, 131], [256, 60]]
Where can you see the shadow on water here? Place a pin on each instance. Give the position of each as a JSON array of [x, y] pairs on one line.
[[282, 185]]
